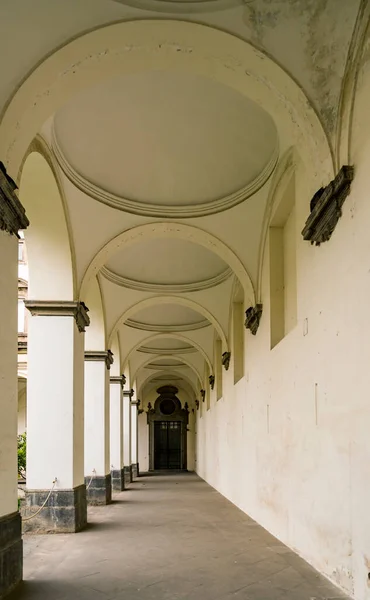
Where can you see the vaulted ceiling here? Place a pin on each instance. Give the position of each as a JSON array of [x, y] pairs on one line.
[[165, 123]]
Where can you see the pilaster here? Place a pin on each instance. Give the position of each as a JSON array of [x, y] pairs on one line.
[[116, 433], [12, 219], [55, 441], [97, 469]]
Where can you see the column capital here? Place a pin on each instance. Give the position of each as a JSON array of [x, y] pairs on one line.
[[55, 308], [128, 393], [117, 379], [12, 213], [100, 355]]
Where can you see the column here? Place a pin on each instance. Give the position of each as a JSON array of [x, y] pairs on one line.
[[55, 416], [97, 468], [116, 433], [127, 395], [12, 218], [134, 438]]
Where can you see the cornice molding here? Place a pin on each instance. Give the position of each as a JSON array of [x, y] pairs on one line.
[[169, 288], [100, 355], [121, 379], [165, 366], [12, 213], [147, 350], [166, 328], [54, 308], [156, 210]]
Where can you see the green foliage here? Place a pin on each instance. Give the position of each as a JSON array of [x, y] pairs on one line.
[[22, 445]]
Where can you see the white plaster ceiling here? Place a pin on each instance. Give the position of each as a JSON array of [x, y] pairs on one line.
[[165, 138], [169, 315], [169, 344], [171, 139], [167, 261]]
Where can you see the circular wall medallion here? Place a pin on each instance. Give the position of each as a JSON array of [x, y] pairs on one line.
[[167, 407]]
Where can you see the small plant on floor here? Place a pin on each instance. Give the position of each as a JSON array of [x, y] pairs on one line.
[[22, 445]]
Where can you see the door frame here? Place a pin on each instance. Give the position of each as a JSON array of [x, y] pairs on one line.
[[168, 392]]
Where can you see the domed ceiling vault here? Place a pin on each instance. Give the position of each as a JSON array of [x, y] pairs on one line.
[[192, 143]]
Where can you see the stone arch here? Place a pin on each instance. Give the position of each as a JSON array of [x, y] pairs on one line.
[[176, 336], [169, 357], [170, 230], [49, 248], [95, 336], [174, 372], [280, 182], [154, 300], [136, 46], [115, 348]]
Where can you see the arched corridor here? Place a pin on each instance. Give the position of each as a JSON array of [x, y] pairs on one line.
[[184, 288], [169, 536]]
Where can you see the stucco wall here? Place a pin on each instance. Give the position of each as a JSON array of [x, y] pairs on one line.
[[289, 443]]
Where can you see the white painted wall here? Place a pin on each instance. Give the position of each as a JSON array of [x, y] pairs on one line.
[[289, 443]]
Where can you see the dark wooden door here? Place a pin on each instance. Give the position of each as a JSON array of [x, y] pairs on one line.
[[167, 445]]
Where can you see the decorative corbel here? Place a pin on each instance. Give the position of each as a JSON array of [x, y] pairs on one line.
[[326, 207], [211, 380], [12, 213], [197, 404], [150, 409], [186, 407], [203, 394], [123, 378], [226, 360], [252, 318], [139, 410]]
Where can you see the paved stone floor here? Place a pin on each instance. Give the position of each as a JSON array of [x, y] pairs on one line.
[[168, 537]]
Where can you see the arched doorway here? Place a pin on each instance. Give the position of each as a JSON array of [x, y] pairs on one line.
[[167, 431]]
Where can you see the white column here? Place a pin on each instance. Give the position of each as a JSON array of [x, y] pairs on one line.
[[127, 394], [97, 424], [116, 433], [12, 218], [134, 438], [55, 414]]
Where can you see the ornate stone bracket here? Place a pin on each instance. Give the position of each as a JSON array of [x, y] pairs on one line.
[[226, 360], [252, 318], [139, 410], [203, 394], [96, 355], [211, 380], [326, 207], [197, 404], [12, 214], [53, 308], [129, 394], [150, 410], [117, 379], [123, 378]]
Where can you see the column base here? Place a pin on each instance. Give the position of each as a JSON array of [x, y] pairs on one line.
[[65, 511], [99, 491], [128, 475], [118, 480], [134, 471], [11, 553]]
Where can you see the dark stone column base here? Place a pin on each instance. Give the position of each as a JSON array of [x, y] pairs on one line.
[[99, 491], [65, 511], [137, 470], [11, 553], [134, 471], [128, 476], [118, 480]]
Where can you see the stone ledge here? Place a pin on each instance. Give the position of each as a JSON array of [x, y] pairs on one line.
[[65, 512], [11, 553], [99, 491], [118, 480]]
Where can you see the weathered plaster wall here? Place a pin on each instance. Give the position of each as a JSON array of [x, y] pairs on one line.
[[289, 443]]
